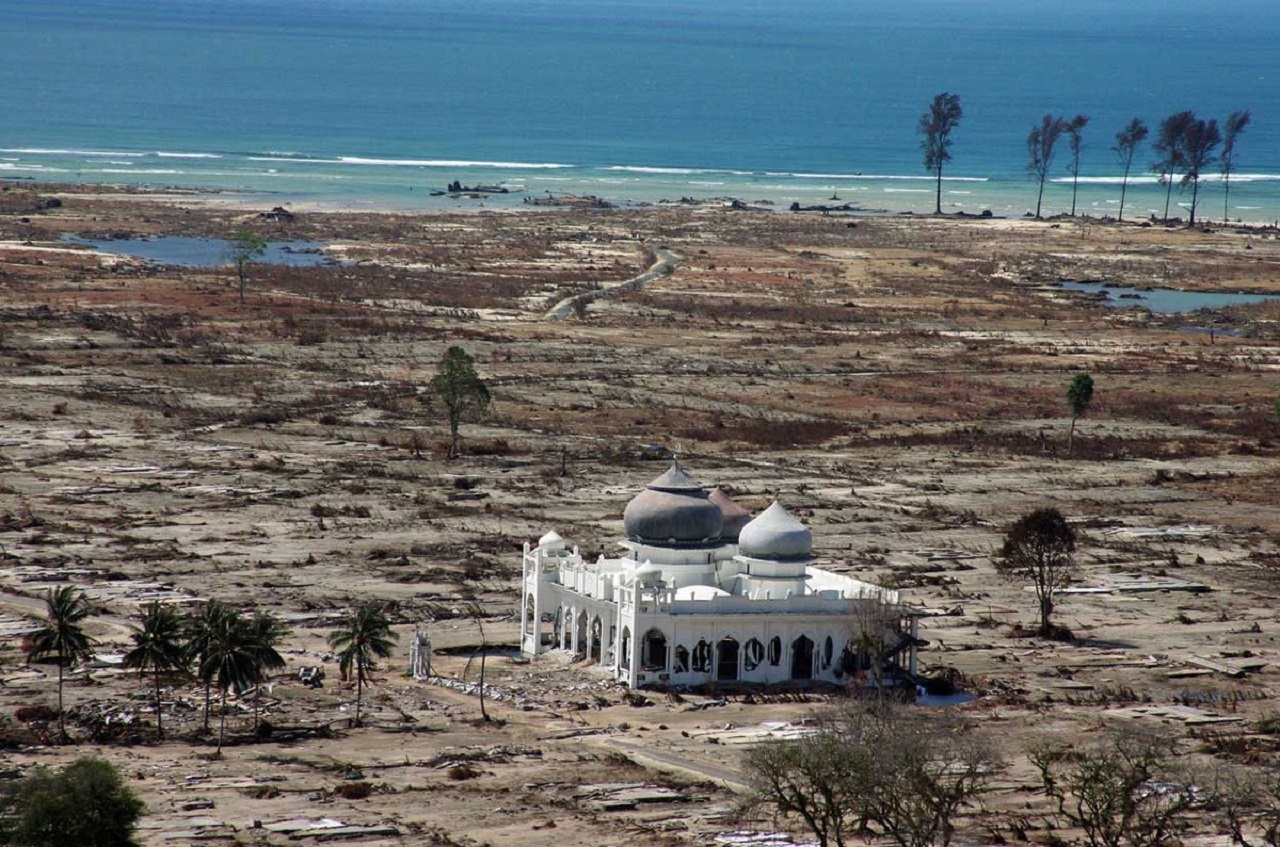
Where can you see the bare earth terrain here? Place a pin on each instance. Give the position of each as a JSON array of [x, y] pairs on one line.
[[898, 382]]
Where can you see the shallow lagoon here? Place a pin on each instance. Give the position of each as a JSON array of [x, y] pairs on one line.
[[1164, 300], [190, 252]]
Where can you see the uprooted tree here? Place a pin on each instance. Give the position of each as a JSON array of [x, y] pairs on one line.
[[1040, 547], [874, 767]]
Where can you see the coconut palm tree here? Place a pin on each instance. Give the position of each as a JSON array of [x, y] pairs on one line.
[[362, 636], [159, 647], [230, 661], [202, 626], [266, 631], [62, 636]]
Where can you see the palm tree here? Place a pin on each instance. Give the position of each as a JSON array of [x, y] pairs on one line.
[[230, 661], [201, 629], [363, 636], [266, 631], [158, 646], [62, 636]]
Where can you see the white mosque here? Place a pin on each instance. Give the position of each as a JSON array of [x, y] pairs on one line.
[[704, 593]]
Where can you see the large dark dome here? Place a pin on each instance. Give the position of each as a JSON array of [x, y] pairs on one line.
[[735, 517], [673, 510]]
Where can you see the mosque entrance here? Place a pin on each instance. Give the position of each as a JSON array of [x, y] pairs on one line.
[[727, 660], [582, 635], [802, 658]]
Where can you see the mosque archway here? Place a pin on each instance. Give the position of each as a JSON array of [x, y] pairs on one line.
[[653, 651], [624, 651], [582, 635], [702, 658], [802, 658], [727, 660], [530, 615], [597, 640]]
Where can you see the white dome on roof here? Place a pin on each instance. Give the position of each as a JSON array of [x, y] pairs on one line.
[[775, 534], [647, 574], [700, 592], [551, 542]]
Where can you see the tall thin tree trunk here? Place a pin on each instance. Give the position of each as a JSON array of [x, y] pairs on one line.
[[1075, 187], [222, 722], [359, 688], [1039, 198], [453, 436], [1226, 196], [1071, 436], [1124, 186], [1168, 195], [62, 720], [159, 708], [937, 205], [483, 650], [208, 696], [1195, 192]]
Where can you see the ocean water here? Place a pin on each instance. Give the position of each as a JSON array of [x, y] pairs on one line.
[[375, 103]]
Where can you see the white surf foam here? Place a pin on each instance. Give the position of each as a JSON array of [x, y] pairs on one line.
[[449, 163]]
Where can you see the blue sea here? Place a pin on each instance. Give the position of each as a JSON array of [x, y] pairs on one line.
[[375, 103]]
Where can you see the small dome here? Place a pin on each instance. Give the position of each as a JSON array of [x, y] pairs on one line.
[[700, 592], [775, 534], [735, 517], [551, 542], [673, 510]]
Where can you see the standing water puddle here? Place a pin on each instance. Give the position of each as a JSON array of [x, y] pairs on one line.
[[1164, 300], [190, 252]]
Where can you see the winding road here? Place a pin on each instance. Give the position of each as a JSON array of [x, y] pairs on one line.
[[666, 263]]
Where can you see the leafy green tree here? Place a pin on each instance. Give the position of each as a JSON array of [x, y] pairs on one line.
[[159, 647], [460, 389], [1200, 140], [1235, 124], [266, 632], [231, 661], [202, 627], [1075, 135], [936, 126], [1040, 149], [362, 637], [242, 249], [62, 636], [1040, 546], [1126, 149], [1170, 147], [86, 804], [1079, 398]]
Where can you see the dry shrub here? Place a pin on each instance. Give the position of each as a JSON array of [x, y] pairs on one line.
[[353, 790], [464, 771], [770, 433]]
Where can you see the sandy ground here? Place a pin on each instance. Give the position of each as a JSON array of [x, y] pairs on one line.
[[898, 382]]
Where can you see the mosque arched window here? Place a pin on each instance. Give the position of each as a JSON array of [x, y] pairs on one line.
[[702, 657], [775, 651], [752, 655]]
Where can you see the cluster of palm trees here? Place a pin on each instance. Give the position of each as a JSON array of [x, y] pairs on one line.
[[224, 648]]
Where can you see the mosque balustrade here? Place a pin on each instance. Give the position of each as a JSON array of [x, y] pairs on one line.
[[748, 606]]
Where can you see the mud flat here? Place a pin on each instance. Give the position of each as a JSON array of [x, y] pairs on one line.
[[900, 383]]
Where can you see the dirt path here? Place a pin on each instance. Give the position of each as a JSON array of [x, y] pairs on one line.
[[665, 264]]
